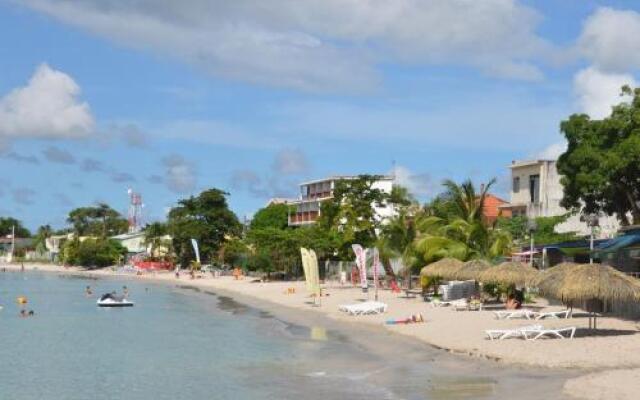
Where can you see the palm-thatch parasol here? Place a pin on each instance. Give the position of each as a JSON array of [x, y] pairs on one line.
[[510, 273], [445, 268], [471, 270], [558, 271], [582, 282]]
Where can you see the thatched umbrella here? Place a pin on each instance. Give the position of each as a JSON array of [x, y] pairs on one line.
[[587, 282], [471, 270], [445, 268], [510, 273]]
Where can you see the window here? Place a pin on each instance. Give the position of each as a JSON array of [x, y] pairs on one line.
[[534, 188], [516, 184]]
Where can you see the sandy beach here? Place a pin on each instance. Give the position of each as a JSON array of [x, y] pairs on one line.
[[609, 359]]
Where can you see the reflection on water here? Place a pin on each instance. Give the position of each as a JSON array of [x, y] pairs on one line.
[[318, 333], [450, 387], [229, 304]]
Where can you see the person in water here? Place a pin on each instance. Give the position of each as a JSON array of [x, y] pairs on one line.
[[125, 292], [31, 313], [88, 291]]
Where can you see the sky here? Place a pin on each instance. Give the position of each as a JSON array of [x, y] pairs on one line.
[[252, 97]]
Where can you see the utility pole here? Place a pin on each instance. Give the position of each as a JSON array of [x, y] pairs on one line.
[[592, 221], [13, 241], [531, 227]]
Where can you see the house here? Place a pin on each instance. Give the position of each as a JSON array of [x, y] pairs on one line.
[[494, 208], [536, 191], [134, 242], [313, 193]]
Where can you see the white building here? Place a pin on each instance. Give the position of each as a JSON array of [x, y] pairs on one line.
[[536, 191], [313, 193]]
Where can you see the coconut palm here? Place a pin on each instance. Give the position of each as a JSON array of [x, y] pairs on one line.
[[154, 237], [455, 228]]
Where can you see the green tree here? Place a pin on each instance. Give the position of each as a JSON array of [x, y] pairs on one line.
[[155, 238], [99, 220], [43, 232], [545, 229], [271, 216], [6, 224], [206, 218], [350, 214], [93, 253], [601, 167], [234, 252], [453, 226]]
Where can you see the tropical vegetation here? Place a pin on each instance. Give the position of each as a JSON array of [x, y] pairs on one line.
[[601, 167]]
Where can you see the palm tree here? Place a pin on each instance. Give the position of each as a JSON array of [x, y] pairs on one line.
[[154, 236], [455, 227]]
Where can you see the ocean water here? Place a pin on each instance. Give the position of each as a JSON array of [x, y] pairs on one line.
[[180, 343]]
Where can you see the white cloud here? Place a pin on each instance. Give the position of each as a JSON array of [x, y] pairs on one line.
[[420, 185], [551, 152], [47, 107], [598, 91], [610, 39], [180, 175], [317, 45]]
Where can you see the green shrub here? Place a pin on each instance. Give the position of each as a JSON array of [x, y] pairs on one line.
[[93, 253]]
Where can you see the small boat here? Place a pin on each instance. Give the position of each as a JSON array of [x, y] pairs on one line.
[[111, 300]]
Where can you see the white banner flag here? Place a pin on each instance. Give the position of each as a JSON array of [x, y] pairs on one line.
[[194, 243], [361, 262], [376, 266]]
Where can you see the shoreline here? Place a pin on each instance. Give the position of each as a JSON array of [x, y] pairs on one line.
[[598, 379]]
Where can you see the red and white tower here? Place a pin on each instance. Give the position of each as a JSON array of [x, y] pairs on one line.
[[135, 211]]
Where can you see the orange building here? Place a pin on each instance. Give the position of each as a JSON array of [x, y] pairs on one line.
[[494, 208]]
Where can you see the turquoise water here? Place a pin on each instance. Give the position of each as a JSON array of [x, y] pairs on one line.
[[180, 344]]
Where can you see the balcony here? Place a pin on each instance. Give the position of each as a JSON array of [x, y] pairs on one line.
[[303, 218]]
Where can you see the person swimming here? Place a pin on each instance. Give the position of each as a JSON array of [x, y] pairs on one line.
[[125, 292], [88, 291]]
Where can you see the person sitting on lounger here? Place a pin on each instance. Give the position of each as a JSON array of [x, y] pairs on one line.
[[512, 303]]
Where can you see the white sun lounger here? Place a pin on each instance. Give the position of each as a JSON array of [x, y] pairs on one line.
[[512, 314], [501, 334], [452, 303], [366, 308], [560, 333], [554, 314]]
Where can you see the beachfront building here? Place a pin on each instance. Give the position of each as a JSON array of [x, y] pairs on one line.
[[494, 207], [313, 193], [536, 191]]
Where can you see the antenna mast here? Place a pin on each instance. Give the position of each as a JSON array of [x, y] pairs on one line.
[[135, 211]]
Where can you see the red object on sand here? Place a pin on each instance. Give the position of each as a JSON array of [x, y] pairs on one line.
[[394, 287], [154, 265]]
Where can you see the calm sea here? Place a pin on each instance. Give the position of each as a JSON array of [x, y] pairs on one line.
[[178, 343]]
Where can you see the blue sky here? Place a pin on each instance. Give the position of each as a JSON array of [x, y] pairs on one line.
[[171, 98]]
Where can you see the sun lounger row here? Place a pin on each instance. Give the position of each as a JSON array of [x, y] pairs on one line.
[[530, 314], [366, 308], [531, 332]]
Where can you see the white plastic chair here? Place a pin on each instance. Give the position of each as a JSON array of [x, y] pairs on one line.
[[366, 308], [560, 333], [501, 334], [512, 314]]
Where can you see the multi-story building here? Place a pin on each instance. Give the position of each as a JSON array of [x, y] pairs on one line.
[[313, 193], [536, 191]]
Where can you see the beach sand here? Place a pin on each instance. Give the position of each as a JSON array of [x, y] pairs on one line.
[[462, 332]]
